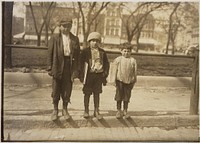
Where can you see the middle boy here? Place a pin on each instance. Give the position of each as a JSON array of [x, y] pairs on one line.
[[94, 67]]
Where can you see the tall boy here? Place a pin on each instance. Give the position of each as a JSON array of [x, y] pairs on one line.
[[95, 68], [62, 62], [125, 78]]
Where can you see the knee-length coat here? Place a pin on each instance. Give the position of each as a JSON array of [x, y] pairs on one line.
[[55, 57]]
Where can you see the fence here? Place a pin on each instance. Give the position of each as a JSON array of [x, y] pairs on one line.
[[148, 64]]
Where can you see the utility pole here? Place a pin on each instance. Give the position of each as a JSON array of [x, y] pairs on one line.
[[194, 99]]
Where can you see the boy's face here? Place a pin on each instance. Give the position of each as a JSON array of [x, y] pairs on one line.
[[126, 53], [94, 43], [65, 28]]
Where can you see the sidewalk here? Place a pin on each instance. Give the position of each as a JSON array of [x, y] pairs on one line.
[[158, 113], [39, 79]]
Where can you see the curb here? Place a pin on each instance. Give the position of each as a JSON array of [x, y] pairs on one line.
[[40, 79], [106, 122]]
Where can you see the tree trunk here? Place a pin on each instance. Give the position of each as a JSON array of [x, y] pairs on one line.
[[38, 40], [138, 45], [173, 47], [46, 34], [168, 42], [84, 42], [7, 32]]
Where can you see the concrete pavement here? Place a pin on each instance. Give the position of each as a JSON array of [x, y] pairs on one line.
[[159, 112], [131, 134]]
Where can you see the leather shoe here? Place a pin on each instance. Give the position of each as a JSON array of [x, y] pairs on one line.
[[98, 115], [126, 115], [54, 115], [66, 114], [86, 115], [119, 114]]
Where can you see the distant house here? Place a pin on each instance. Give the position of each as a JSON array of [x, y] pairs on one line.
[[17, 30], [58, 13], [195, 35], [17, 25]]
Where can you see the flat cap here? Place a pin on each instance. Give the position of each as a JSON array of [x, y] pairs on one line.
[[65, 21]]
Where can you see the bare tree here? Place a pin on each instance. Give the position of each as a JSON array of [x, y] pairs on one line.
[[45, 15], [180, 17], [49, 16], [89, 12], [173, 28], [137, 18]]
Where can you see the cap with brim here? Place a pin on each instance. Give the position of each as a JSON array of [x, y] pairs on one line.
[[94, 35], [66, 21]]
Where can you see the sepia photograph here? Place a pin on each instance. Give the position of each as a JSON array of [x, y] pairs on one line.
[[100, 71]]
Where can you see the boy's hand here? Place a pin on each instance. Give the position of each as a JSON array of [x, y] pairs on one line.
[[104, 82], [49, 73], [81, 79], [113, 84]]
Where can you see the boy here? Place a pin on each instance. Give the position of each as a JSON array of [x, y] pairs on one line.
[[94, 71], [125, 78], [62, 62]]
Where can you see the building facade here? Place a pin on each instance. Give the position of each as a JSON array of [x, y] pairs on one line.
[[109, 24]]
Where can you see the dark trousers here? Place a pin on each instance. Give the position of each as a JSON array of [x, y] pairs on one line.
[[87, 100], [123, 91], [63, 87]]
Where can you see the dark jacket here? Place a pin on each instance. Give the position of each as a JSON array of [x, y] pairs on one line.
[[55, 57], [86, 56]]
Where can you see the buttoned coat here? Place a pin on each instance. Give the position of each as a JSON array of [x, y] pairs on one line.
[[55, 57]]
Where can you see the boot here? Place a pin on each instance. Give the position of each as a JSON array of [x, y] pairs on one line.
[[97, 114], [96, 107], [65, 111], [86, 105], [119, 112], [126, 115], [54, 115], [86, 113]]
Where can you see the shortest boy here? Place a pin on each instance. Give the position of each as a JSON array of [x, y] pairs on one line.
[[125, 78]]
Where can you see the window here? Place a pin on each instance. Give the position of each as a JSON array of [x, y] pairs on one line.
[[113, 13], [117, 32], [117, 22], [107, 31], [108, 13], [108, 22], [112, 31], [112, 22], [142, 34]]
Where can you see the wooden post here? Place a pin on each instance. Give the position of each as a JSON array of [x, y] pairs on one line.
[[7, 32], [194, 99]]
